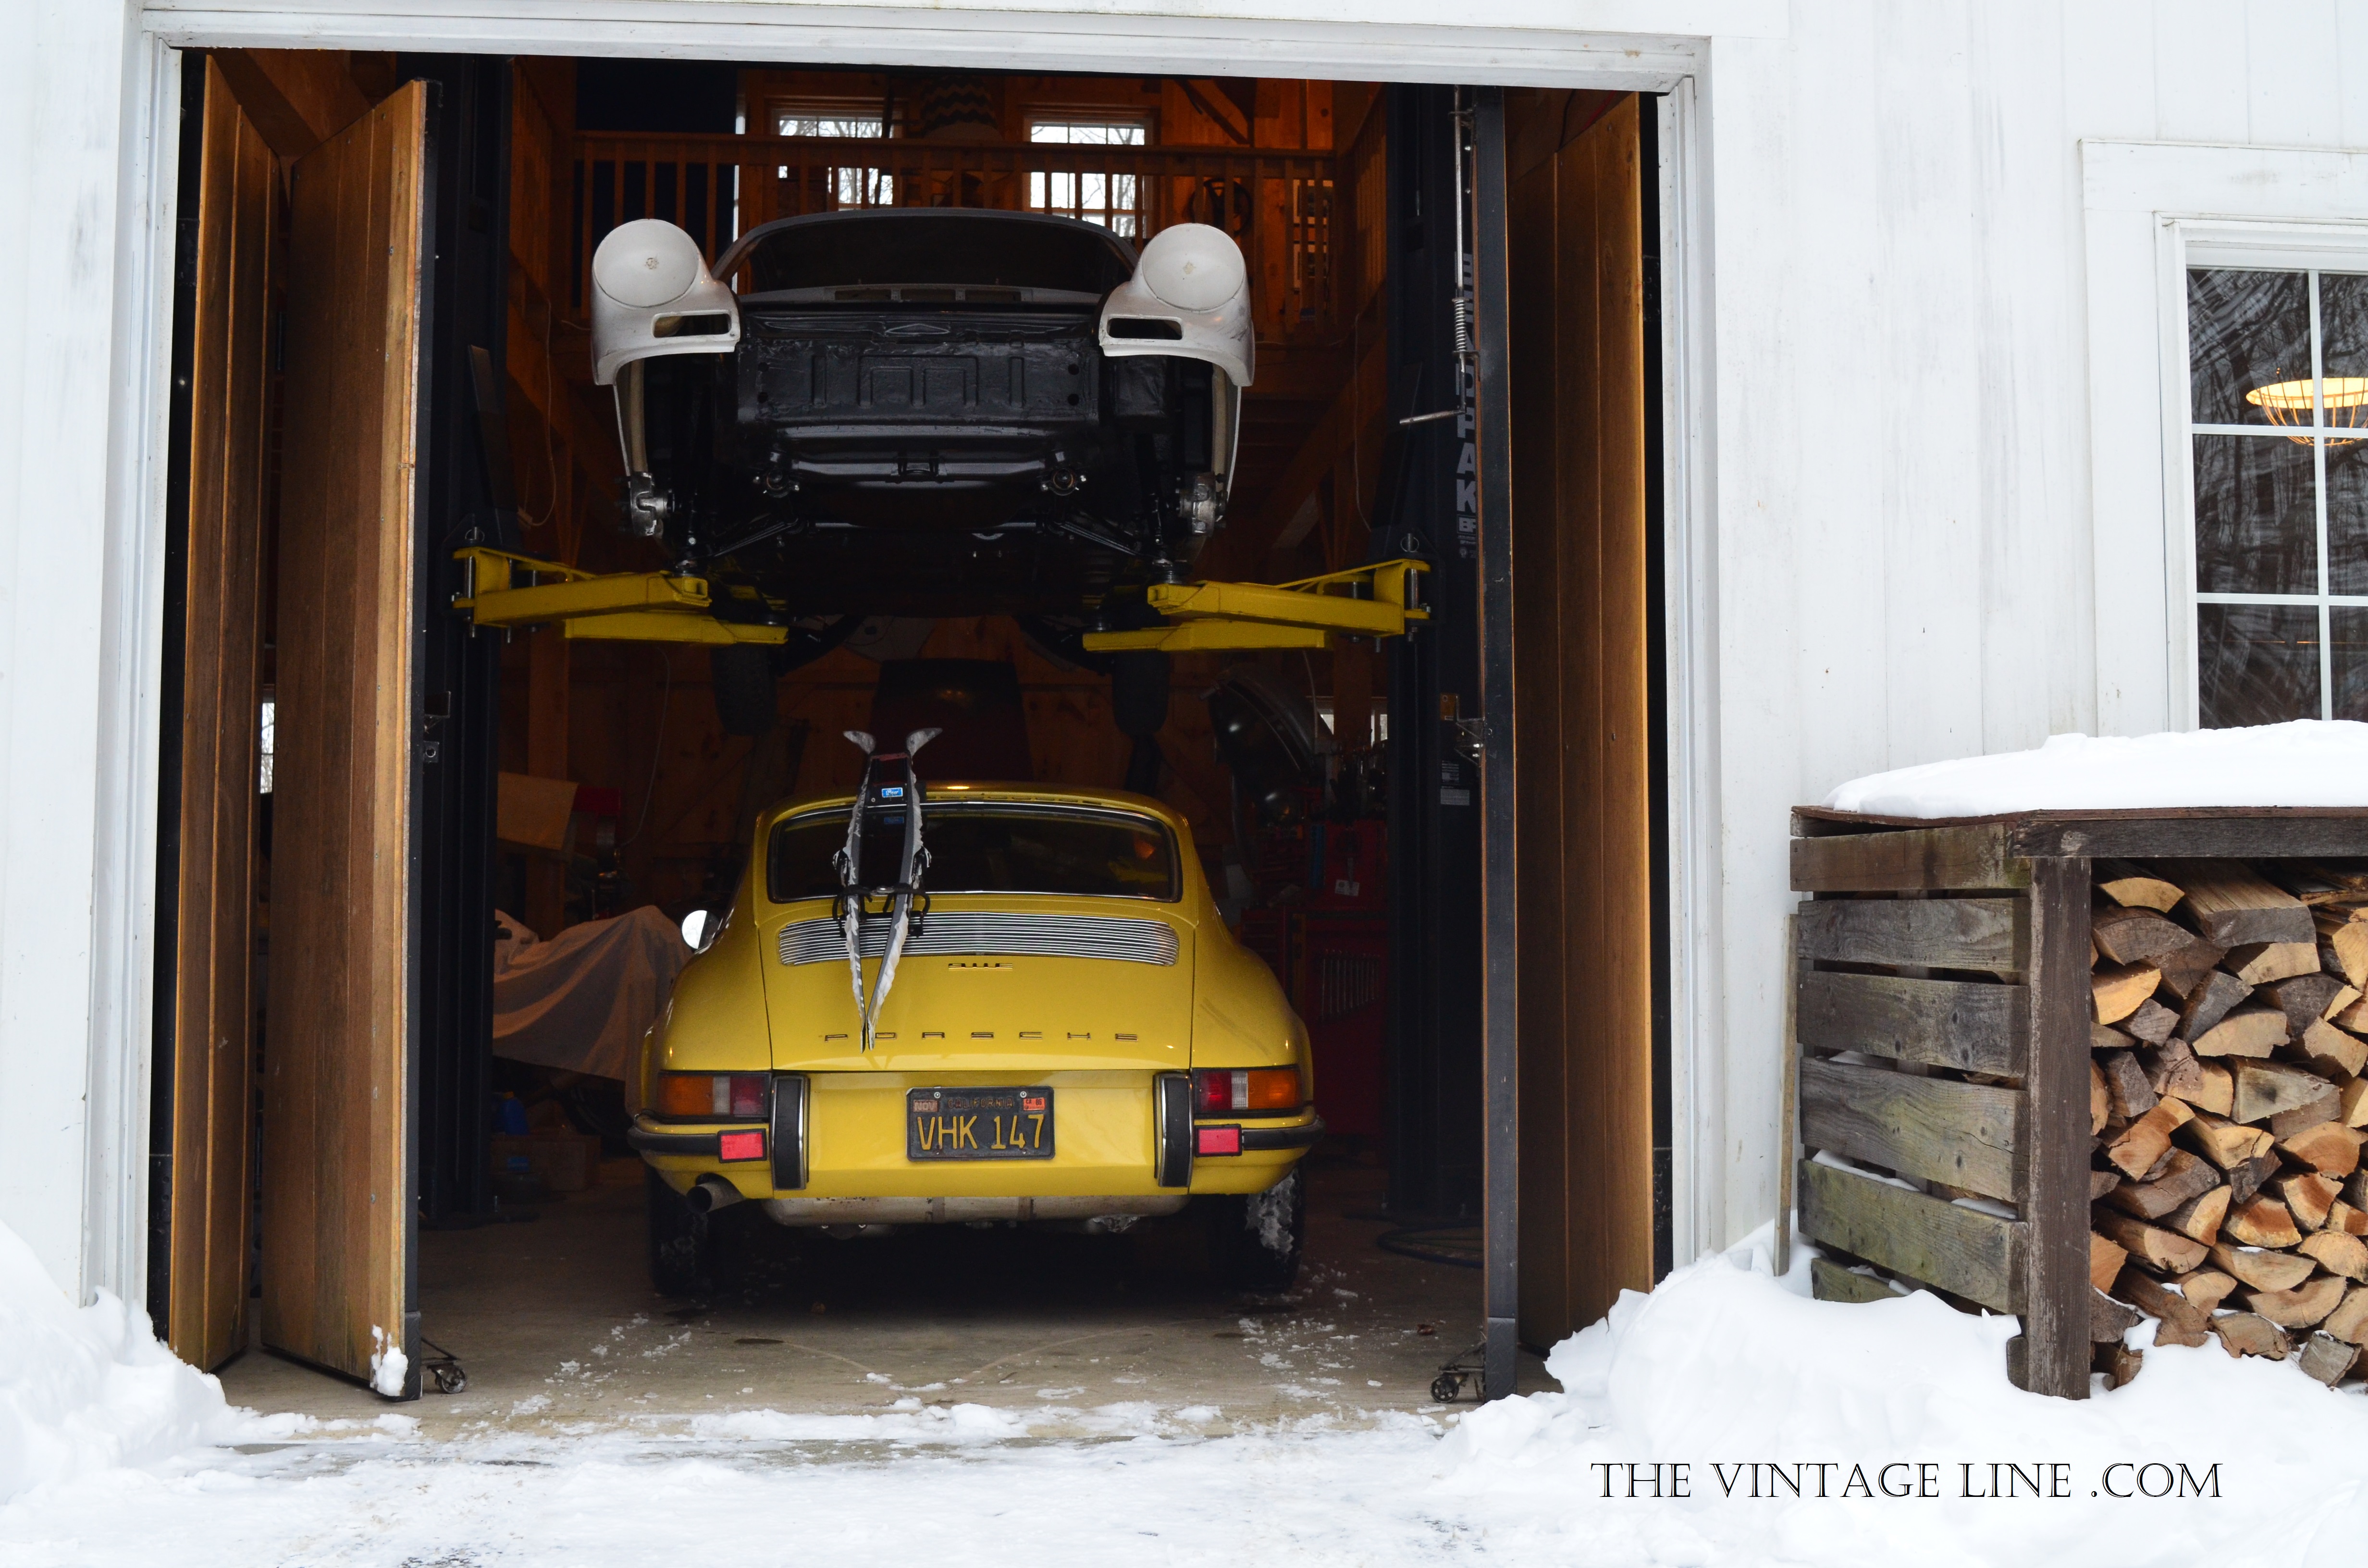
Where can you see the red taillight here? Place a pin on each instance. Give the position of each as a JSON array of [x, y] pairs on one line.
[[703, 1096], [1219, 1090]]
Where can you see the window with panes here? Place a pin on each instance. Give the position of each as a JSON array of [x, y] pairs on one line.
[[2278, 440]]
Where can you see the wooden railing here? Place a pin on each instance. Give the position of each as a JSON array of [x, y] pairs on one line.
[[1278, 204]]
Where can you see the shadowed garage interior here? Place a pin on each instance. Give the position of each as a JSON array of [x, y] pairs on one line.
[[373, 810]]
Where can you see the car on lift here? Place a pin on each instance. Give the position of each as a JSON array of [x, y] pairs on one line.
[[1031, 1013], [924, 411]]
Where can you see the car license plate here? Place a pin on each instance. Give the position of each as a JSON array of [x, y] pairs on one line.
[[978, 1124]]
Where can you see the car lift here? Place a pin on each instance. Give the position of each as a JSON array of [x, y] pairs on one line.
[[504, 589]]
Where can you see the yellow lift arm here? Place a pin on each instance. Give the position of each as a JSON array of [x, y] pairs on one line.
[[1364, 601], [652, 607], [638, 607]]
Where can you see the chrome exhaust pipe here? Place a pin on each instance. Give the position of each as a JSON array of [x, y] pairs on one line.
[[711, 1193]]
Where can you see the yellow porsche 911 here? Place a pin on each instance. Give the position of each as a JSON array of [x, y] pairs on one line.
[[996, 1003]]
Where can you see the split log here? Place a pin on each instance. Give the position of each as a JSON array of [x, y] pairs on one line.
[[2265, 1089], [2248, 1031], [2100, 1101], [2132, 887], [2262, 1270], [2326, 1357], [2351, 1102], [2186, 1177], [2340, 1217], [2245, 1179], [2105, 1036], [2109, 1319], [2102, 1183], [2155, 1171], [2171, 1069], [2138, 936], [2352, 1016], [2115, 993], [2247, 1333], [2304, 999], [2152, 1022], [2331, 1051], [2119, 1363], [2339, 1002], [2217, 1092], [2207, 1003], [2206, 1287], [2183, 969], [2307, 1198], [2129, 1095], [2257, 963], [2200, 1218], [2161, 1251], [2182, 1322], [2329, 1148], [2306, 1305], [2105, 1259], [2332, 1249], [2348, 945], [2233, 905], [2348, 1321], [2322, 1107], [2260, 1221], [2140, 1150], [2226, 1144]]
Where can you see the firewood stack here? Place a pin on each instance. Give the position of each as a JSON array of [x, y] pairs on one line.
[[2227, 1096]]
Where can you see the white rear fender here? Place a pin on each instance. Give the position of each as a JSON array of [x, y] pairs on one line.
[[1190, 299], [652, 295]]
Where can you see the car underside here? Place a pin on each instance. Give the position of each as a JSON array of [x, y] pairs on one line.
[[929, 411]]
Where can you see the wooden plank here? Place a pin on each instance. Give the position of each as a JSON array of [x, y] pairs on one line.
[[1908, 860], [1547, 825], [1982, 933], [1931, 1129], [213, 888], [2051, 1355], [1956, 1249], [1788, 1111], [336, 1205], [1829, 1282], [1969, 1025], [2225, 835]]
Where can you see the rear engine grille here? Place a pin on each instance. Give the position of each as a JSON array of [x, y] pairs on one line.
[[968, 932]]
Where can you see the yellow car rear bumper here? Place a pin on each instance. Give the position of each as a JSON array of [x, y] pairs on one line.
[[853, 1130]]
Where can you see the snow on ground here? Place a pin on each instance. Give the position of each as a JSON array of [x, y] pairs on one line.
[[2310, 762], [1894, 1419]]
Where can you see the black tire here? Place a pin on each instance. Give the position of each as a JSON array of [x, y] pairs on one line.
[[744, 680], [690, 1254], [1255, 1242]]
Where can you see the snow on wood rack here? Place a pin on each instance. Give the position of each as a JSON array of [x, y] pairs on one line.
[[2082, 1067]]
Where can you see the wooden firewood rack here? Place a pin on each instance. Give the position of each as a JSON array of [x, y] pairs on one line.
[[1956, 951]]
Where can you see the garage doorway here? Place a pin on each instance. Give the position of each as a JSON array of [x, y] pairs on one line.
[[392, 1073]]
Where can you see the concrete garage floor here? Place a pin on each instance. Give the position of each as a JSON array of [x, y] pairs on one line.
[[557, 1326]]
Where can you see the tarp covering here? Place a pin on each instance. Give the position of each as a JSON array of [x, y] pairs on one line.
[[581, 1000]]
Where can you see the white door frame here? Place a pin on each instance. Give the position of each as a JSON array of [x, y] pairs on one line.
[[949, 34]]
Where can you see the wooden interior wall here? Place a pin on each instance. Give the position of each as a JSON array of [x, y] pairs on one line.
[[214, 1002], [335, 1199], [1580, 670]]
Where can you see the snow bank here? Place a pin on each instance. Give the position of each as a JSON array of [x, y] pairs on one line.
[[2310, 762], [1906, 1405], [87, 1390]]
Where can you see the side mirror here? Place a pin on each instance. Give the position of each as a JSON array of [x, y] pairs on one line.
[[695, 929]]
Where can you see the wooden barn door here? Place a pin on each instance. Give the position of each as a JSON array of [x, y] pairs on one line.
[[339, 1055], [207, 1047], [1581, 667]]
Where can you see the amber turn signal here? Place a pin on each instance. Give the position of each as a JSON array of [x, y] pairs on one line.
[[710, 1095], [1219, 1090]]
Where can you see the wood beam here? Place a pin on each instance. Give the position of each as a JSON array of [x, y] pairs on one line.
[[297, 97]]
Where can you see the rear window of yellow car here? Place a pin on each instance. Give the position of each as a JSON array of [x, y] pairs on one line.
[[975, 847]]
